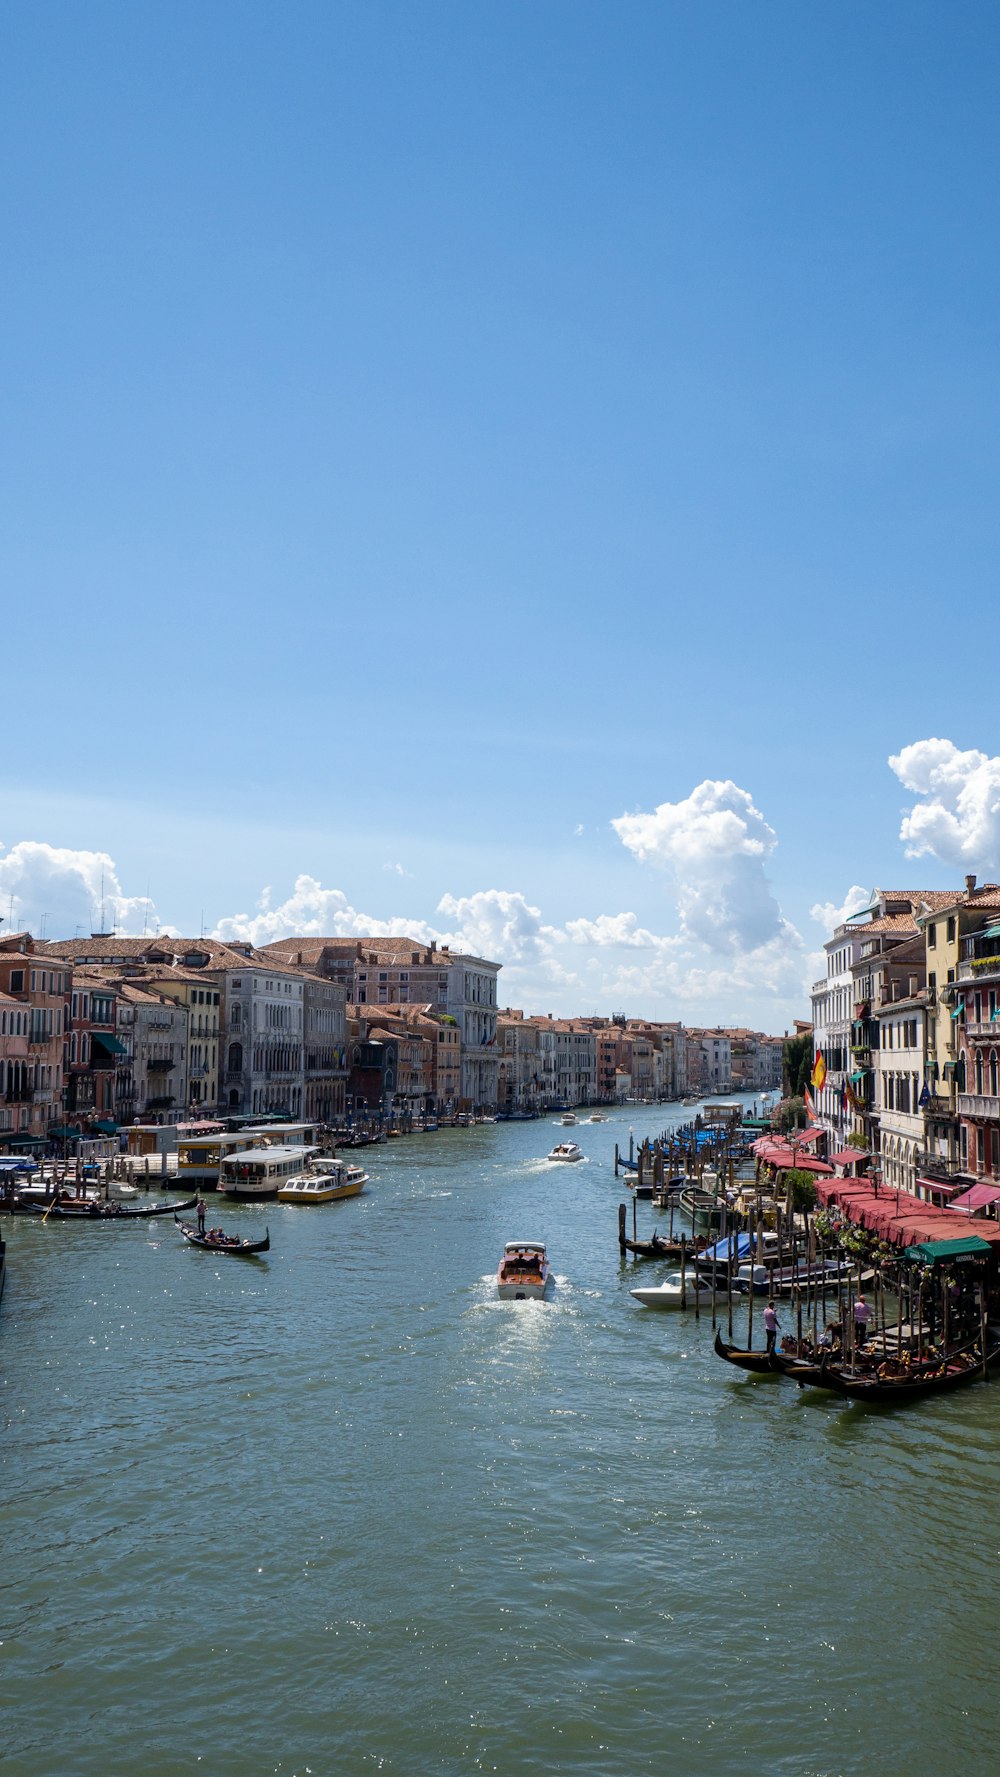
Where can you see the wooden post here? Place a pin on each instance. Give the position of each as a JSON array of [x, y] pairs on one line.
[[750, 1255], [622, 1213], [683, 1272]]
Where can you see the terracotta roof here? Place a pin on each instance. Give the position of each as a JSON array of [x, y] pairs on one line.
[[110, 950]]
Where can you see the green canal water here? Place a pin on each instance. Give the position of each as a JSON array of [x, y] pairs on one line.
[[342, 1511]]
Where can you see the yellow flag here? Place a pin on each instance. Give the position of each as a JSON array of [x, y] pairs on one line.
[[819, 1071]]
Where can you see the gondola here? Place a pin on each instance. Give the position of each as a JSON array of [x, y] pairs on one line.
[[657, 1248], [874, 1390], [236, 1248], [757, 1362], [74, 1209]]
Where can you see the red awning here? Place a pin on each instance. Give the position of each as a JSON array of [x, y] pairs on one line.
[[785, 1161], [847, 1157], [899, 1218], [976, 1198], [808, 1135], [947, 1187]]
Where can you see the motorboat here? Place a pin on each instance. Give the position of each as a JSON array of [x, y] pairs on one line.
[[598, 1117], [675, 1293], [566, 1150], [325, 1181], [523, 1272], [568, 1119]]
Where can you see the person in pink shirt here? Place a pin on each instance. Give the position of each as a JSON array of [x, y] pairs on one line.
[[770, 1325]]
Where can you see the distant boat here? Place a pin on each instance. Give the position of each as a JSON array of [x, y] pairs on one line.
[[671, 1293]]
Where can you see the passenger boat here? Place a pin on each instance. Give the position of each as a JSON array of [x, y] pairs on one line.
[[523, 1272], [260, 1172], [566, 1150], [325, 1181], [215, 1241], [674, 1292]]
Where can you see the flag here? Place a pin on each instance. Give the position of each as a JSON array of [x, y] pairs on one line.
[[925, 1097], [819, 1072], [808, 1101]]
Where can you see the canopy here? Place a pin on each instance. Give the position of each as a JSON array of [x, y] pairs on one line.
[[112, 1044], [977, 1197], [105, 1127], [722, 1251], [897, 1217], [938, 1252], [62, 1132], [847, 1156], [808, 1135]]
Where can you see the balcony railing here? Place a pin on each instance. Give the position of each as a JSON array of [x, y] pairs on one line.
[[979, 968], [986, 1031], [979, 1104], [939, 1166]]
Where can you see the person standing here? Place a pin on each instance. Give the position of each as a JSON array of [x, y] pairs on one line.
[[770, 1325], [862, 1316], [200, 1208]]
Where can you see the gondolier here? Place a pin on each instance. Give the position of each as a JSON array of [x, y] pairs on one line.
[[770, 1325]]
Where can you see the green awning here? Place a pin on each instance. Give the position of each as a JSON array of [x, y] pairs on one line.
[[857, 1078], [111, 1043], [959, 1009], [937, 1252], [991, 932], [105, 1127], [62, 1132]]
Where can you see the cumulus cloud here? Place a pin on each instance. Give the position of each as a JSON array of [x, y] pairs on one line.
[[614, 929], [830, 914], [499, 923], [715, 844], [66, 891], [312, 911], [956, 817]]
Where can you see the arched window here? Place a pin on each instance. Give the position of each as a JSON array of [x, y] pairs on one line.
[[235, 1063], [993, 1072]]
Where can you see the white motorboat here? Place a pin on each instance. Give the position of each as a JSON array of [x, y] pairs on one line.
[[669, 1293], [568, 1119], [325, 1181], [523, 1272], [565, 1150], [598, 1117]]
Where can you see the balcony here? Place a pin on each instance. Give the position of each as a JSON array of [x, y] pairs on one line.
[[979, 968], [938, 1166], [159, 1064], [980, 1105], [987, 1032]]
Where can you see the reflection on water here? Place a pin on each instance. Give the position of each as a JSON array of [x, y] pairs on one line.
[[347, 1510]]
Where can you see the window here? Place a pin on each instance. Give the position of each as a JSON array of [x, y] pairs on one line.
[[951, 930], [17, 981], [932, 937]]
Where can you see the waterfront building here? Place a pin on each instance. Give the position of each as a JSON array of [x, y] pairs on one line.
[[900, 1064], [38, 984], [92, 1052], [15, 1079], [947, 1162], [159, 1054], [386, 972]]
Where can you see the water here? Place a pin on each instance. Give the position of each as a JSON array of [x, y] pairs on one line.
[[342, 1511]]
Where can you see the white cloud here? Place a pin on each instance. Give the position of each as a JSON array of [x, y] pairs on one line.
[[715, 843], [67, 891], [830, 915], [396, 870], [614, 929], [578, 830], [313, 911], [500, 924], [956, 817]]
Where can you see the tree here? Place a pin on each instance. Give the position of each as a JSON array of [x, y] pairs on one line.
[[797, 1059], [801, 1189], [790, 1114]]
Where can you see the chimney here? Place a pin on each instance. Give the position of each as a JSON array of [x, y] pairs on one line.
[[970, 885], [914, 984]]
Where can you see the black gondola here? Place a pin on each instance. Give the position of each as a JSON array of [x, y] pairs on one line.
[[656, 1248], [227, 1243], [757, 1362], [937, 1378], [86, 1209]]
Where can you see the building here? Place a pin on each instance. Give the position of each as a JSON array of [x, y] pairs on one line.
[[38, 984]]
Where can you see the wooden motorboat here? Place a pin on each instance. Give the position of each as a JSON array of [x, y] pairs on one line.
[[523, 1271], [217, 1242], [91, 1209]]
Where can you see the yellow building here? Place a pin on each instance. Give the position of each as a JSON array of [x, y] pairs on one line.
[[200, 995]]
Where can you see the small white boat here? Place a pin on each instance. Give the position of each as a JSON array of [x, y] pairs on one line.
[[598, 1117], [567, 1119], [668, 1293], [566, 1150], [523, 1272], [326, 1181]]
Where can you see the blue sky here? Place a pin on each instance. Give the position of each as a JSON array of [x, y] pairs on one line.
[[435, 433]]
